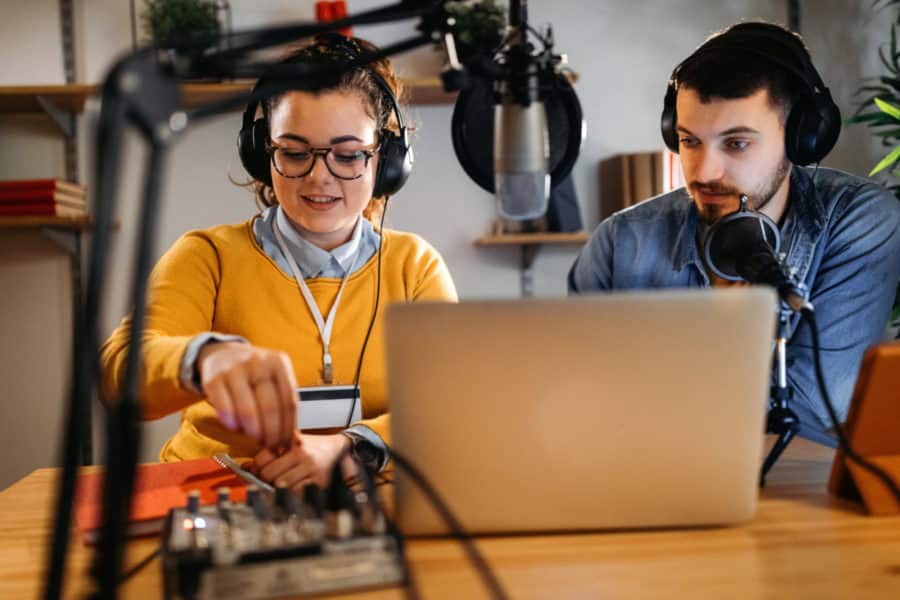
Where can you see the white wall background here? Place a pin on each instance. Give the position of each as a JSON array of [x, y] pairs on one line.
[[623, 50]]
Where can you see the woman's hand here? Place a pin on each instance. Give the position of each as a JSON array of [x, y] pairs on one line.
[[310, 459], [252, 389]]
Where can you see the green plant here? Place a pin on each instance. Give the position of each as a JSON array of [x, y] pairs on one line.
[[173, 22], [479, 26], [879, 110]]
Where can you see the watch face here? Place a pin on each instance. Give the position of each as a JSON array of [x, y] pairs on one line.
[[365, 451]]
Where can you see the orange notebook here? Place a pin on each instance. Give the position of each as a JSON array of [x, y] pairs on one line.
[[158, 487]]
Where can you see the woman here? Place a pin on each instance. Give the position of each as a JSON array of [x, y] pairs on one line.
[[231, 331]]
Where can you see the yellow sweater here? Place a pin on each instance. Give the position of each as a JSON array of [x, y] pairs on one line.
[[220, 280]]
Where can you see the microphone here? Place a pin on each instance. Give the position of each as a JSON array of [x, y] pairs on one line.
[[521, 140], [743, 246], [517, 126]]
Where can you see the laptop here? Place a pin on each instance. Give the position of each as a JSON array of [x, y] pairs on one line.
[[627, 410]]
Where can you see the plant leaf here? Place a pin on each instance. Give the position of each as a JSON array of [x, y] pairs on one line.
[[889, 133], [888, 108], [868, 103], [874, 118], [894, 48], [873, 88], [887, 161], [884, 61]]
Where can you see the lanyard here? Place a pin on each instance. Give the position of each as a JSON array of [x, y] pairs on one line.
[[325, 326]]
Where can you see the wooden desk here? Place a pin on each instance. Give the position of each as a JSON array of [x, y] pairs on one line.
[[802, 544]]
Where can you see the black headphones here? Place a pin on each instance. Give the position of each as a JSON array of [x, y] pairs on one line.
[[395, 157], [814, 123]]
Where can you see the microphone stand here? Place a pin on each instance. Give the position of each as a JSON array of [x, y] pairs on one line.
[[142, 90], [780, 420]]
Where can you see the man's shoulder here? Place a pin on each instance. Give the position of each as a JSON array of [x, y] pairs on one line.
[[855, 210], [659, 212], [842, 194]]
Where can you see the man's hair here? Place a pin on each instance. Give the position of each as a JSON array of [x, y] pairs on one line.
[[729, 72]]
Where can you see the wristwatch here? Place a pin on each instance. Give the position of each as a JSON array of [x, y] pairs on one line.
[[365, 452]]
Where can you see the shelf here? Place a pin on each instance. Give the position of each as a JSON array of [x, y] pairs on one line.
[[24, 98], [71, 98], [418, 91], [529, 244], [37, 222], [528, 239]]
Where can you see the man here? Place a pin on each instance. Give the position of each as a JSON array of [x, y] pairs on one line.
[[743, 112]]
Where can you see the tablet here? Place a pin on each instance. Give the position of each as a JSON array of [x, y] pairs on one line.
[[873, 430]]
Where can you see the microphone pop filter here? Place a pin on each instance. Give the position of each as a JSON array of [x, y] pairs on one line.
[[472, 129], [736, 236]]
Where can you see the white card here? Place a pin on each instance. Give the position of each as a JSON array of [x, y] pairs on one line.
[[327, 406]]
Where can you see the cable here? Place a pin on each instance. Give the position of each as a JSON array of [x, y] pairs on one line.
[[362, 352], [844, 443], [140, 565], [366, 479], [456, 529]]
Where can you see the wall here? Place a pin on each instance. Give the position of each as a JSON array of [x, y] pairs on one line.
[[624, 52]]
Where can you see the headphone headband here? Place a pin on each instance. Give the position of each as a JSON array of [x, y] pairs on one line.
[[741, 38]]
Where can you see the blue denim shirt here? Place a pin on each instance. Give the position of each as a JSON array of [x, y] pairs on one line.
[[840, 232]]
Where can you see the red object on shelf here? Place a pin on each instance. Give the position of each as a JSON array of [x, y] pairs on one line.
[[323, 12], [333, 11]]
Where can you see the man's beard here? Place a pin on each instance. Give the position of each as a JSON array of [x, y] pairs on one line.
[[757, 199]]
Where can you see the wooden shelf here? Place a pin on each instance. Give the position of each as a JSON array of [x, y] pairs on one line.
[[71, 98], [30, 222], [529, 244], [527, 239], [24, 98]]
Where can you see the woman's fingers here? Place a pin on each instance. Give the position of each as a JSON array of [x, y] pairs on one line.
[[244, 397], [218, 395], [252, 390], [287, 393], [269, 409], [290, 469]]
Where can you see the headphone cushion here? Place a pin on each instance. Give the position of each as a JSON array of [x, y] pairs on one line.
[[812, 129], [252, 142], [668, 120], [395, 161]]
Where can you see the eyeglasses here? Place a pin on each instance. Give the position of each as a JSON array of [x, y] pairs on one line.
[[343, 162]]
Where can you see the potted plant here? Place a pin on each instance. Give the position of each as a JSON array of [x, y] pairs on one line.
[[479, 27], [171, 23], [879, 110]]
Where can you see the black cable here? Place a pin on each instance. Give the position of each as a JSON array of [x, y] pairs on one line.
[[456, 529], [367, 480], [365, 344], [832, 413], [140, 565]]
